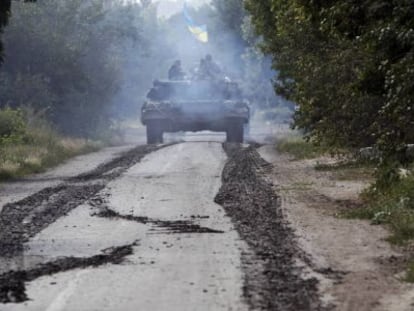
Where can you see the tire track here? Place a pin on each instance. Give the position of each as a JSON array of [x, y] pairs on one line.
[[272, 279], [21, 220], [12, 284]]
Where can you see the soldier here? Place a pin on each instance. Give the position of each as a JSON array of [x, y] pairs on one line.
[[176, 72], [208, 69], [212, 70], [201, 70]]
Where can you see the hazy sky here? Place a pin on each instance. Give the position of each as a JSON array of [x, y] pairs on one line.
[[167, 8]]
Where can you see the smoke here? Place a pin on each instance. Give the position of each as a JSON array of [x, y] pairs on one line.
[[168, 39]]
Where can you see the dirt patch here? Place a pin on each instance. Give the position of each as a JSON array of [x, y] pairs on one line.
[[371, 268], [272, 276], [12, 284]]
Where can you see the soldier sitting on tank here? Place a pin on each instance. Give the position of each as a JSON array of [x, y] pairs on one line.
[[176, 72], [212, 70], [208, 69], [201, 70]]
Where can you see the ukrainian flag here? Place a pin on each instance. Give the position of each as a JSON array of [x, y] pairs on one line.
[[199, 31]]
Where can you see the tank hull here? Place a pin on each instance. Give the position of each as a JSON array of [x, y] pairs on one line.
[[161, 116]]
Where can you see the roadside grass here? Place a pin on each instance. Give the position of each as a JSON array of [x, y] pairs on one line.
[[41, 148], [349, 169], [299, 148], [393, 207]]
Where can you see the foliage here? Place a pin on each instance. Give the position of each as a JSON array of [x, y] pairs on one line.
[[348, 64], [393, 206], [143, 60], [28, 144], [83, 56], [12, 126]]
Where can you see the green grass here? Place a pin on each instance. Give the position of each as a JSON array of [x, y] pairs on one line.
[[299, 148], [393, 207], [40, 149]]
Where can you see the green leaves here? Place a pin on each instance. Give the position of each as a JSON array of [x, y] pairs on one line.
[[66, 58], [349, 65], [12, 126]]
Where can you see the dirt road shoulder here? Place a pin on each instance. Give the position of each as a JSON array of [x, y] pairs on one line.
[[361, 270]]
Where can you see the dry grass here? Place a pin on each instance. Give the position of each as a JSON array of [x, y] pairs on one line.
[[42, 149], [299, 148]]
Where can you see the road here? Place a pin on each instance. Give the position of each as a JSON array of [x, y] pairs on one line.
[[144, 232]]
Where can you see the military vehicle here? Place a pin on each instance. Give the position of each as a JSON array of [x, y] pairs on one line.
[[195, 105]]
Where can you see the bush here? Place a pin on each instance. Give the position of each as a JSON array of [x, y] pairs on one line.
[[349, 65], [392, 206], [12, 126], [28, 147]]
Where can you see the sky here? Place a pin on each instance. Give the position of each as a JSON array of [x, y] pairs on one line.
[[166, 8]]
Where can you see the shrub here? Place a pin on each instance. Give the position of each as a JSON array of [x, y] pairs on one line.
[[28, 147], [12, 126], [392, 206]]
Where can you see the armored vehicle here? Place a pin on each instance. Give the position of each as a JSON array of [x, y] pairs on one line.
[[195, 105]]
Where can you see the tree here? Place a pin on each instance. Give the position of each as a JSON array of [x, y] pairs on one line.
[[348, 64], [74, 56]]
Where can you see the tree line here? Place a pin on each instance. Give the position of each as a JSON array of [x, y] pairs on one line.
[[65, 60], [349, 65], [82, 64]]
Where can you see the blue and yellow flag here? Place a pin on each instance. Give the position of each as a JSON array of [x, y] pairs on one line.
[[199, 31]]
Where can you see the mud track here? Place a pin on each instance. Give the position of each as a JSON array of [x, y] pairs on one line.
[[166, 226], [272, 279], [22, 220], [12, 284]]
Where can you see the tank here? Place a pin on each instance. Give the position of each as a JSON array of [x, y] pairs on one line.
[[174, 106]]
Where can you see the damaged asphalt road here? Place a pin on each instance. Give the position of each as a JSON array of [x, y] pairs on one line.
[[189, 226]]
